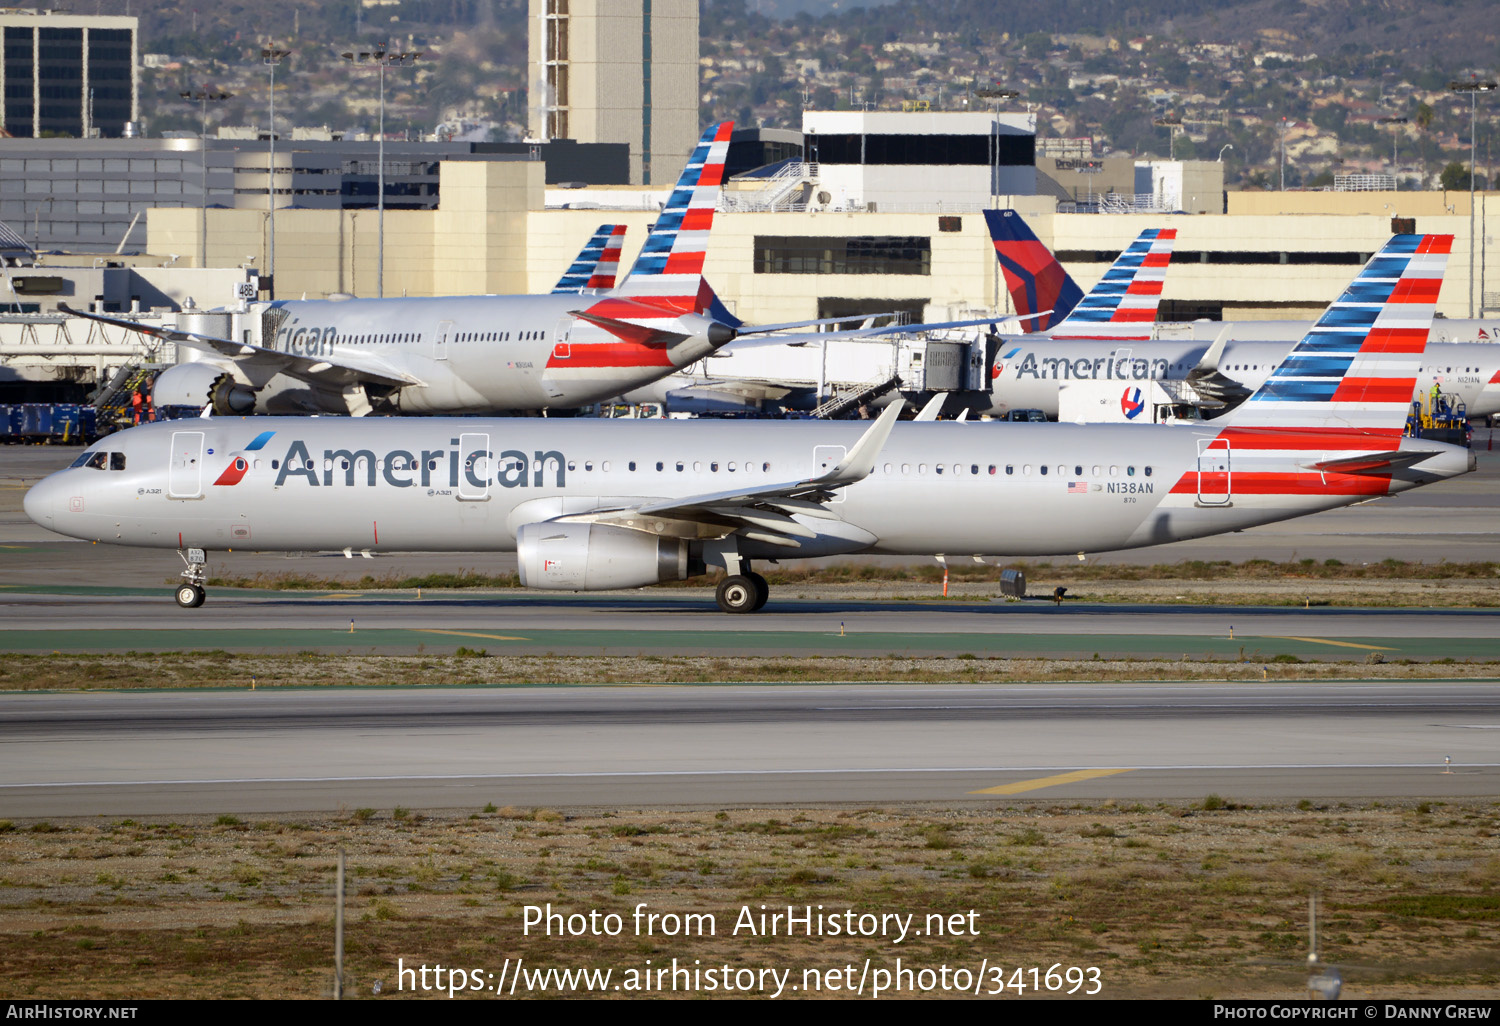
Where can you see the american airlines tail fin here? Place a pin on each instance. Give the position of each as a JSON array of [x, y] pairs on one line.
[[1034, 278], [669, 271], [1356, 370], [596, 263], [1123, 304]]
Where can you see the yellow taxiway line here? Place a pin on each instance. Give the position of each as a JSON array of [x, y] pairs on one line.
[[1327, 641], [1022, 786], [469, 634]]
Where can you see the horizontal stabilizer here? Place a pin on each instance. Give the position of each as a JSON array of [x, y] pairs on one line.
[[1373, 462]]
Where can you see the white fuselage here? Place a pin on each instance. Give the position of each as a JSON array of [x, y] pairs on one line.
[[470, 484], [1029, 373], [469, 354]]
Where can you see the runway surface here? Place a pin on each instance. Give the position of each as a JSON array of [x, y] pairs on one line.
[[288, 751]]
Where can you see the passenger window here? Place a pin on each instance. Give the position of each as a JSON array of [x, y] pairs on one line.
[[1026, 469], [697, 466], [275, 464], [939, 468], [714, 466], [1114, 471], [1148, 471], [921, 468], [1096, 470], [1077, 471], [992, 470], [1044, 470], [589, 466], [680, 466], [660, 465], [632, 464], [973, 468], [906, 468], [1010, 469], [1130, 472], [731, 468]]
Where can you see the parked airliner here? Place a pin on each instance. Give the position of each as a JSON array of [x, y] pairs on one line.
[[590, 504], [474, 354]]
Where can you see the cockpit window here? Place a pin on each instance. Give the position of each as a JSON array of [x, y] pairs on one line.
[[82, 459], [97, 461], [117, 461]]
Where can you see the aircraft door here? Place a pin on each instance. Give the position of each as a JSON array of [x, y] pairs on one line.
[[825, 458], [1213, 472], [185, 474], [477, 469], [440, 340]]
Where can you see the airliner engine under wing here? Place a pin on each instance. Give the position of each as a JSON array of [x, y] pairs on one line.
[[475, 354], [590, 505]]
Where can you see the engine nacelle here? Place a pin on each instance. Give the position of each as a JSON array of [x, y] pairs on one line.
[[594, 557], [202, 384]]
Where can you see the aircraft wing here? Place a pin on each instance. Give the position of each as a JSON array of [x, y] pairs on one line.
[[744, 342], [261, 364], [765, 513], [1213, 384]]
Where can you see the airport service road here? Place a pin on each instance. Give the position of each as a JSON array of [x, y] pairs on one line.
[[667, 623], [288, 751]]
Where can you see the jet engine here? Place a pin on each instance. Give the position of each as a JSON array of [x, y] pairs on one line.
[[202, 384], [593, 557]]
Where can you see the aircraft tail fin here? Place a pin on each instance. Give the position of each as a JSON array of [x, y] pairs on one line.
[[1034, 278], [669, 271], [1123, 304], [596, 263], [1356, 369]]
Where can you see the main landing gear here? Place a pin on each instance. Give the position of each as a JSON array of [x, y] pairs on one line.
[[743, 593], [190, 593]]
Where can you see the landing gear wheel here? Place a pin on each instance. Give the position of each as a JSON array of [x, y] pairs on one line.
[[738, 594], [762, 590], [190, 596]]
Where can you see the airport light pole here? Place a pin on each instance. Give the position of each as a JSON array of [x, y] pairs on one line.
[[382, 57], [1473, 88], [1394, 122], [1171, 123], [202, 97], [998, 94], [271, 57]]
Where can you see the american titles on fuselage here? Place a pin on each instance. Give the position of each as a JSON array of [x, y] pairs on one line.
[[1118, 367]]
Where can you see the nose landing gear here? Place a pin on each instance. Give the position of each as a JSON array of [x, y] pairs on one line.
[[190, 593]]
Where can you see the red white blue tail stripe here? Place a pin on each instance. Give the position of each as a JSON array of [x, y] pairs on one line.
[[597, 262], [1357, 368], [669, 270], [1123, 304]]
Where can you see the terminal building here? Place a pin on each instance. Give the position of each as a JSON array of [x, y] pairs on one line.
[[68, 75]]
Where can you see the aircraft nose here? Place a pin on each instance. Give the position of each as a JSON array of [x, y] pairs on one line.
[[41, 501]]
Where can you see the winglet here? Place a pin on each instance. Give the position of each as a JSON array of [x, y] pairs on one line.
[[860, 461], [932, 409]]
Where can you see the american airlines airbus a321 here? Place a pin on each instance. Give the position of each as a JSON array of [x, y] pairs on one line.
[[620, 504]]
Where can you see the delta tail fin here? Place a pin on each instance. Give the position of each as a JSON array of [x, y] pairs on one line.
[[1356, 369], [1123, 304], [1034, 278], [596, 264]]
